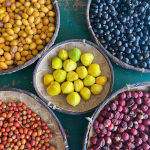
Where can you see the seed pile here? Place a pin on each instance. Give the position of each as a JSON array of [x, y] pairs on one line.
[[25, 27], [122, 27], [20, 128], [124, 123]]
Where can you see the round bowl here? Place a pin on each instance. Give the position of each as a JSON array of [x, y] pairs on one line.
[[36, 104], [113, 58], [59, 102], [51, 42], [89, 132]]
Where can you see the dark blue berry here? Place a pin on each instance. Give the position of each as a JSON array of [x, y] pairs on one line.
[[126, 60]]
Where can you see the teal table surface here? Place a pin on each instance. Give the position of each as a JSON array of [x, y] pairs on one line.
[[73, 26]]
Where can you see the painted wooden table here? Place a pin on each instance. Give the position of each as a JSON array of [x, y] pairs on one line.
[[73, 26]]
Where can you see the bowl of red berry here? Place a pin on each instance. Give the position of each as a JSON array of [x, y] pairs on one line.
[[121, 28], [122, 121], [28, 123]]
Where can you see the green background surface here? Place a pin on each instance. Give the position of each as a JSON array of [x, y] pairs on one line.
[[73, 26]]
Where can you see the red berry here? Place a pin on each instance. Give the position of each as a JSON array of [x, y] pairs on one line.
[[100, 118], [116, 114], [120, 130], [108, 133], [107, 122], [43, 124], [145, 146], [138, 120], [17, 125], [133, 131], [1, 124], [144, 137], [104, 131], [126, 118], [94, 140], [146, 122], [109, 115], [106, 107], [95, 124], [103, 113], [28, 145], [111, 127], [108, 140], [138, 100], [144, 107], [122, 95], [7, 129], [13, 104], [100, 135], [128, 94], [101, 126], [130, 124], [125, 136], [115, 121], [33, 143], [112, 135], [113, 106], [131, 138], [141, 127], [124, 124], [97, 130], [121, 116], [122, 102], [101, 142], [125, 109], [17, 115], [119, 108], [11, 108], [130, 103], [146, 130], [140, 93], [134, 95], [29, 111], [138, 141], [147, 101], [133, 107], [16, 109], [145, 95]]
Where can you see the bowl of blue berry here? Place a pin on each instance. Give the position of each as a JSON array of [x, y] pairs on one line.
[[121, 28]]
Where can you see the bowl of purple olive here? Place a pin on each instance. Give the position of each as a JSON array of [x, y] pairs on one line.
[[122, 121], [121, 28]]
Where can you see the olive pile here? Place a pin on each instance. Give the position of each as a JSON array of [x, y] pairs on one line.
[[25, 27], [122, 27]]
